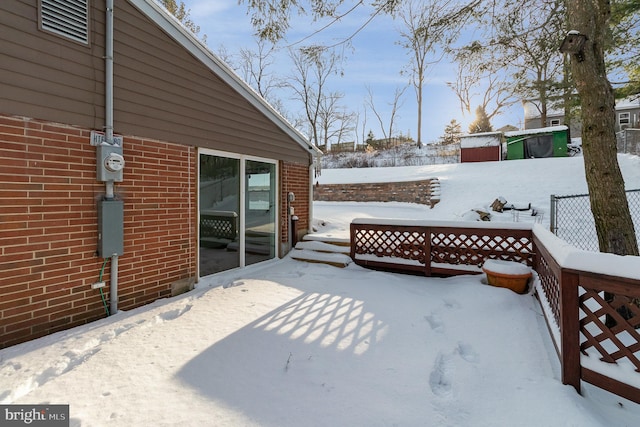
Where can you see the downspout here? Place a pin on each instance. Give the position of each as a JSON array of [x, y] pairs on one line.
[[312, 169], [108, 130]]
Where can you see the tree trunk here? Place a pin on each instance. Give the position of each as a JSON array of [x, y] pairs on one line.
[[609, 206]]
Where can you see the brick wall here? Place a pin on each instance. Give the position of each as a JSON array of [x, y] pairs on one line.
[[426, 192], [295, 178], [48, 231]]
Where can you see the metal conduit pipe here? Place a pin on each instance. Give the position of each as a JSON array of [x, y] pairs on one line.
[[108, 73], [113, 287], [108, 130]]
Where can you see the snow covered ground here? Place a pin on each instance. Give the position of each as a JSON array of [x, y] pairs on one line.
[[289, 343], [469, 186]]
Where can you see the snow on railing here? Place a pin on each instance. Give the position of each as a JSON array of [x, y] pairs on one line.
[[590, 300]]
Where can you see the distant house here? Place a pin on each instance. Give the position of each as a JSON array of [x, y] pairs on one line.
[[628, 113], [386, 143], [481, 147], [340, 147], [202, 175], [627, 116]]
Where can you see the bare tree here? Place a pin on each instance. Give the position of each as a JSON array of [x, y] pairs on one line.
[[590, 18], [529, 38], [480, 81], [426, 28], [387, 127], [335, 123], [254, 67], [312, 67], [225, 55], [360, 125]]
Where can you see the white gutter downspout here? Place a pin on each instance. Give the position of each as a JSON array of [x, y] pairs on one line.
[[312, 169], [108, 131], [108, 81]]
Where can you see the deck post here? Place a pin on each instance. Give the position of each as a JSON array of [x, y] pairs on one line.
[[570, 330]]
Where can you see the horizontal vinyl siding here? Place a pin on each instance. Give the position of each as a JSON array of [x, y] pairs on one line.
[[161, 91], [190, 104], [39, 70]]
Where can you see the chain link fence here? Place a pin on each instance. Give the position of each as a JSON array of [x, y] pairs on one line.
[[572, 221], [628, 141]]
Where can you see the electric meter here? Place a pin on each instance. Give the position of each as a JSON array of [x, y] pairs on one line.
[[114, 162], [109, 163]]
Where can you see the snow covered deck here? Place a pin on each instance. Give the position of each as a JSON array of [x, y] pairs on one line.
[[596, 337]]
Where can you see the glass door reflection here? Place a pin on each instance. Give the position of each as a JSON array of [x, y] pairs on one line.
[[260, 211], [219, 213]]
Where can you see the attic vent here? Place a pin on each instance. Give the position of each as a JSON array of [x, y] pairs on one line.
[[67, 18]]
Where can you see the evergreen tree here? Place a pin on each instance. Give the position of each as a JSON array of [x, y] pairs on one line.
[[452, 133], [370, 137], [481, 123]]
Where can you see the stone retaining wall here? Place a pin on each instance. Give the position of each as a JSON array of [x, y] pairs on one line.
[[425, 192]]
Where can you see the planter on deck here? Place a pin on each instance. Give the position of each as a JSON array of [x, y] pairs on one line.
[[507, 274]]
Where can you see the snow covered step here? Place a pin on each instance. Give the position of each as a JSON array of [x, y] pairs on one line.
[[335, 259], [328, 239], [316, 245]]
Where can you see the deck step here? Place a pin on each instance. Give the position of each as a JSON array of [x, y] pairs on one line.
[[331, 258], [316, 245], [340, 241], [320, 249]]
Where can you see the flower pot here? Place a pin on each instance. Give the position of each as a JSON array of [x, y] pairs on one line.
[[507, 274]]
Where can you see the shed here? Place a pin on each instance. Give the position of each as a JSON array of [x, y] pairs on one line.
[[537, 143], [481, 147]]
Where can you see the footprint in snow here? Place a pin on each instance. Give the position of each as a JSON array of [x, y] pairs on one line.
[[435, 322], [451, 303], [441, 377], [467, 353], [233, 284], [174, 314]]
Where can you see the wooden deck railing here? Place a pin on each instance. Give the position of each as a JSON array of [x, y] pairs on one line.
[[450, 249], [593, 316]]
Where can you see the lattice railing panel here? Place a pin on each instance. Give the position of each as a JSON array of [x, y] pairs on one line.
[[475, 249], [605, 328], [610, 326], [405, 244], [463, 246], [550, 286], [218, 226]]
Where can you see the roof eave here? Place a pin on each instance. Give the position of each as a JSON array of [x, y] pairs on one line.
[[176, 30]]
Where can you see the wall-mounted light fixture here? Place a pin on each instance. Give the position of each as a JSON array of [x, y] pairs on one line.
[[573, 43]]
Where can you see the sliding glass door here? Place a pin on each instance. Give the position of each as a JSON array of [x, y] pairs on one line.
[[260, 212], [238, 211]]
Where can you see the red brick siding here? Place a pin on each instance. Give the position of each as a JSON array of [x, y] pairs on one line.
[[159, 193], [48, 231], [295, 178]]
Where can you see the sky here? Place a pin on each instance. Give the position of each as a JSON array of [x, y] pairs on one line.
[[374, 60], [289, 343]]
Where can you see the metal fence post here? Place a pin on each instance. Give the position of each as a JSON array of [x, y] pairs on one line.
[[552, 219]]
